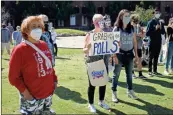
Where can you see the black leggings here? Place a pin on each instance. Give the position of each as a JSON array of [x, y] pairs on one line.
[[91, 90], [56, 49]]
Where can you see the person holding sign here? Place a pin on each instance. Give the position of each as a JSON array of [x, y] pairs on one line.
[[125, 57], [139, 36], [97, 21]]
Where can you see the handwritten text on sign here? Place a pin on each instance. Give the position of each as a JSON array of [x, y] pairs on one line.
[[104, 43]]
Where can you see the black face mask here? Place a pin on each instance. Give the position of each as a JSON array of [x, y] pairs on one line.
[[3, 26]]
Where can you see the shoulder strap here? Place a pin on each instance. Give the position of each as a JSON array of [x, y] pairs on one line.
[[48, 62]]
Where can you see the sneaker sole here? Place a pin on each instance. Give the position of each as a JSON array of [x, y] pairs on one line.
[[115, 101], [103, 108], [92, 111]]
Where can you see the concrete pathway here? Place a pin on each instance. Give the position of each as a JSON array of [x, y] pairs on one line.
[[70, 42]]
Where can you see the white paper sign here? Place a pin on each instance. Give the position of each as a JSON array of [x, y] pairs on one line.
[[104, 43]]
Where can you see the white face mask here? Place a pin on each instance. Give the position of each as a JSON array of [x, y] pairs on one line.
[[157, 16], [101, 24], [36, 33], [126, 20]]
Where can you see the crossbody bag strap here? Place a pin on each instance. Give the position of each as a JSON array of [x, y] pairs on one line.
[[48, 62]]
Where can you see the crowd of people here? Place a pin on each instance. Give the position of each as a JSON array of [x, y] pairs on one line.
[[33, 57]]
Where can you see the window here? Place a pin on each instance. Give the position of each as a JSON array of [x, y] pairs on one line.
[[62, 22], [84, 21], [72, 20], [59, 23]]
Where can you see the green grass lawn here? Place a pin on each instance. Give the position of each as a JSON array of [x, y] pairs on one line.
[[155, 93], [71, 31]]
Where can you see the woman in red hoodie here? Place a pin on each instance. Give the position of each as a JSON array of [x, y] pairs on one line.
[[30, 70]]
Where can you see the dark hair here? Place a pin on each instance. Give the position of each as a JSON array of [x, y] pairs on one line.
[[46, 27], [119, 21], [156, 10]]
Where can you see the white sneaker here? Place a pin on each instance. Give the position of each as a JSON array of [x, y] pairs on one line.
[[134, 76], [131, 94], [92, 108], [114, 97], [103, 105], [166, 72]]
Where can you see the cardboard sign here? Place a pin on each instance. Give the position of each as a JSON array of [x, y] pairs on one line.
[[104, 43]]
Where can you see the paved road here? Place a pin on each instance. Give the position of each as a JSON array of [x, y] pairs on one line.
[[70, 42]]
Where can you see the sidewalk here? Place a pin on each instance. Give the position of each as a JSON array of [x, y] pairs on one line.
[[70, 42]]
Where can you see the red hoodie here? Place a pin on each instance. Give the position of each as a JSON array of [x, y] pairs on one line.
[[27, 69]]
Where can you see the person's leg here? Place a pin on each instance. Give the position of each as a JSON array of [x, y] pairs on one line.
[[2, 48], [8, 48], [161, 56], [116, 74], [47, 105], [31, 107], [151, 55], [172, 64], [128, 70], [172, 58], [156, 57], [102, 90], [168, 57], [139, 65], [91, 90]]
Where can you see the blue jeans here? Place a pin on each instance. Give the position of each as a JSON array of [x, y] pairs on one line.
[[161, 56], [128, 64], [169, 56]]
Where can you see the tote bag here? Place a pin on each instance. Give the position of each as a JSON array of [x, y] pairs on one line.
[[97, 73]]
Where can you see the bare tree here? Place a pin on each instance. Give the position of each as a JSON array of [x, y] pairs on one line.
[[4, 15]]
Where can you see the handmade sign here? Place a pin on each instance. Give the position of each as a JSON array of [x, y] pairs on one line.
[[104, 43]]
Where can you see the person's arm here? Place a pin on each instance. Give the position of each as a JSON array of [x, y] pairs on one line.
[[150, 30], [87, 46], [51, 41], [15, 74], [168, 32], [162, 29], [13, 38], [135, 46], [55, 78]]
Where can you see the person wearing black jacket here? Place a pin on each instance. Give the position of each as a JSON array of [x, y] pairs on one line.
[[154, 31]]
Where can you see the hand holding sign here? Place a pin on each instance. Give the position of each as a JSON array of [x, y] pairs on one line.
[[115, 59]]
